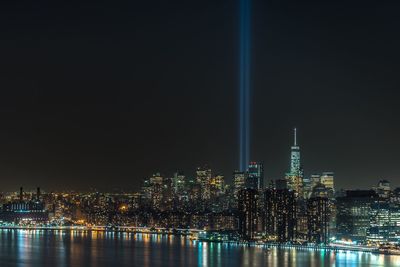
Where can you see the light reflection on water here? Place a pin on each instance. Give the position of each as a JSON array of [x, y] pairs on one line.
[[34, 248]]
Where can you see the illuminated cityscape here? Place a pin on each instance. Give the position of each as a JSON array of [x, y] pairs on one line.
[[199, 133], [210, 209]]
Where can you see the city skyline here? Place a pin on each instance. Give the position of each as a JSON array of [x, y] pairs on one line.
[[199, 133], [254, 176], [294, 167]]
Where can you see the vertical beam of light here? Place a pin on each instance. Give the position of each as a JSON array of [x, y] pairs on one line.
[[244, 83]]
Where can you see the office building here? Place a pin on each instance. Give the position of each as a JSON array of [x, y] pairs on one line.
[[255, 176], [353, 214], [295, 175], [248, 213], [203, 177], [239, 182], [384, 223], [280, 211], [327, 179], [318, 219]]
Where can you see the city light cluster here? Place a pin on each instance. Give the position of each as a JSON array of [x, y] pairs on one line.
[[292, 210]]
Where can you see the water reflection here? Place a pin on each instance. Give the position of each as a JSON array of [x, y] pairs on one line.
[[36, 248]]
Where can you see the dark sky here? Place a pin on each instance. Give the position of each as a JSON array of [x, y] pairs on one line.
[[102, 94]]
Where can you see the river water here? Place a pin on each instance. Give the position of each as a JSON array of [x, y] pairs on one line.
[[38, 248]]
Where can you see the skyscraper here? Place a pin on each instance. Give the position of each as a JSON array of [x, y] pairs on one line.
[[384, 222], [327, 179], [307, 187], [239, 180], [353, 213], [280, 212], [203, 177], [178, 183], [255, 176], [295, 174], [314, 180], [156, 190], [217, 185], [248, 213], [318, 218]]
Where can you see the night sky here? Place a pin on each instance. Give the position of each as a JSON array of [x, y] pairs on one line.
[[102, 94]]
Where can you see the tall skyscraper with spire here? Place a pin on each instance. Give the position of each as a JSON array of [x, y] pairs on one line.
[[295, 175]]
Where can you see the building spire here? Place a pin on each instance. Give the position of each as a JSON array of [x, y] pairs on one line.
[[295, 136]]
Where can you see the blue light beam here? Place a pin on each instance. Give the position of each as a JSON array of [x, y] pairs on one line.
[[244, 83]]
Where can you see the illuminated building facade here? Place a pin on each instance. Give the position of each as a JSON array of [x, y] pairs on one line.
[[217, 185], [203, 177], [280, 212], [318, 219], [384, 222], [295, 175], [194, 191], [248, 213], [136, 201], [307, 187], [255, 176], [178, 183], [239, 182], [153, 190], [353, 214], [314, 180], [25, 211], [327, 179]]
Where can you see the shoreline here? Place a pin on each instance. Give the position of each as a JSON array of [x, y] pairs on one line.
[[188, 233]]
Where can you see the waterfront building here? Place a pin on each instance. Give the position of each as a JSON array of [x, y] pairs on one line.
[[295, 175], [353, 213], [255, 176], [26, 211], [222, 221], [248, 213], [200, 220], [174, 219], [280, 211], [301, 233], [384, 222], [318, 218]]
